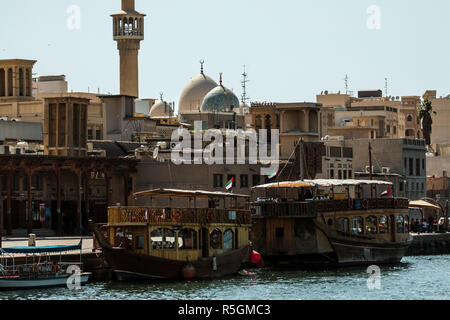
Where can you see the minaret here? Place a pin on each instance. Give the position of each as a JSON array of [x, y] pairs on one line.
[[128, 31]]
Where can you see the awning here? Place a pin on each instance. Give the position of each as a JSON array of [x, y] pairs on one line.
[[188, 193], [46, 249], [322, 183], [423, 204]]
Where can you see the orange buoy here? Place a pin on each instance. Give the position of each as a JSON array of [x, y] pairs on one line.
[[188, 271]]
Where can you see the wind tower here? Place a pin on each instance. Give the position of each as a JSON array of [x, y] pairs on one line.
[[128, 31]]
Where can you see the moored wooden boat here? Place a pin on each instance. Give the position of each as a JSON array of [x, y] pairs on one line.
[[321, 230], [185, 242]]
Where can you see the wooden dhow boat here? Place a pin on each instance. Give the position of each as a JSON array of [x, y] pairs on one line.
[[171, 242], [329, 223]]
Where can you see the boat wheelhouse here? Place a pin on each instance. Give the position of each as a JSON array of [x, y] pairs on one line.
[[181, 234], [330, 222], [41, 268]]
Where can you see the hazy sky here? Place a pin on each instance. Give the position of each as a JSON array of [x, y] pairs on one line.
[[293, 49]]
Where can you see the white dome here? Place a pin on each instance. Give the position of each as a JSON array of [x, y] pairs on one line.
[[192, 97], [160, 109]]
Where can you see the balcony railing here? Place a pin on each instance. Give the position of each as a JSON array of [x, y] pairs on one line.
[[119, 215], [310, 209]]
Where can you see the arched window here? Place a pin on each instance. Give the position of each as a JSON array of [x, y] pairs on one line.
[[216, 239], [187, 239], [400, 224], [384, 225], [407, 224], [258, 122], [357, 225], [163, 239], [228, 239], [342, 224], [130, 26], [371, 225], [410, 118]]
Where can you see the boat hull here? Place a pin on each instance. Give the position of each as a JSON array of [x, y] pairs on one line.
[[127, 265], [18, 284], [353, 253]]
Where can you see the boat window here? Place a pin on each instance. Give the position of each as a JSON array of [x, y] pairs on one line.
[[216, 239], [384, 225], [187, 239], [400, 224], [342, 224], [371, 225], [140, 242], [228, 237], [163, 239], [407, 224], [357, 225]]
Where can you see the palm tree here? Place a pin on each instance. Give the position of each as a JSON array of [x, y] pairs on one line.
[[425, 112]]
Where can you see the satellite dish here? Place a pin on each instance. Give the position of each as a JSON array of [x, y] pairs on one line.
[[155, 153]]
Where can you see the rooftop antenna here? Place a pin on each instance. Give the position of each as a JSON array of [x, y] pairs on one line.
[[346, 84], [244, 86], [386, 86], [202, 62]]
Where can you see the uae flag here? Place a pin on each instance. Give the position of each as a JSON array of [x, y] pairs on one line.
[[386, 193], [273, 174], [230, 184]]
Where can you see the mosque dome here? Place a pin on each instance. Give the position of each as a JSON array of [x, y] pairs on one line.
[[220, 99], [194, 93], [161, 109]]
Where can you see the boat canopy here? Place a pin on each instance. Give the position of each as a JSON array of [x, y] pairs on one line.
[[321, 183], [47, 249], [187, 193]]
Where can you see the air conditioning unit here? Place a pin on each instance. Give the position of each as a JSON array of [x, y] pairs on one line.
[[386, 170], [368, 169]]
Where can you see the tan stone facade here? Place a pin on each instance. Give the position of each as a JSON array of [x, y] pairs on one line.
[[128, 31]]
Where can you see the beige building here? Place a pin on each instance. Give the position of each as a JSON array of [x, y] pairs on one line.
[[294, 120]]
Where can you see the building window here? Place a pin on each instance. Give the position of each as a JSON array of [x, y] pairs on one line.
[[279, 232], [255, 180], [90, 136], [417, 167], [350, 174], [340, 174], [411, 166], [98, 135], [244, 181], [410, 118], [345, 174], [423, 164], [331, 174], [218, 181]]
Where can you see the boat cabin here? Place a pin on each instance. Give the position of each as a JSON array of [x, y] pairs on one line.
[[181, 224]]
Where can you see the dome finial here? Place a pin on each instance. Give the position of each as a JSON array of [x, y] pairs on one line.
[[220, 81], [202, 62], [161, 95]]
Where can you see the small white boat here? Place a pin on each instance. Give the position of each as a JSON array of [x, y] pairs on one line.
[[42, 271]]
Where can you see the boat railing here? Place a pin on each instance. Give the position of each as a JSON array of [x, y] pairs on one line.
[[118, 215], [34, 270], [310, 208]]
